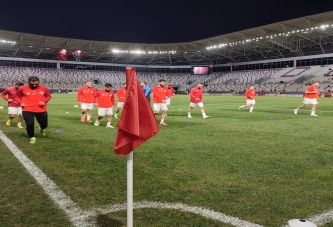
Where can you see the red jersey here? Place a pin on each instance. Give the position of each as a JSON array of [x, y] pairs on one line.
[[121, 94], [170, 92], [30, 98], [159, 94], [86, 95], [314, 92], [104, 99], [10, 93], [250, 94], [196, 94]]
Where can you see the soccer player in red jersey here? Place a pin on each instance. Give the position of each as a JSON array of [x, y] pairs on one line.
[[121, 95], [105, 102], [14, 107], [170, 93], [250, 100], [310, 97], [33, 99], [85, 97], [159, 100], [196, 100]]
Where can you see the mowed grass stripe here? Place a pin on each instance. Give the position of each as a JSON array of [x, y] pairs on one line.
[[22, 201], [250, 167], [74, 213]]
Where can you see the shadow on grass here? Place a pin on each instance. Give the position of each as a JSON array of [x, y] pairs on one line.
[[106, 221]]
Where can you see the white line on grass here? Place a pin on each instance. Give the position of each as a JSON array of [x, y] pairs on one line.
[[79, 217], [177, 206], [322, 219], [75, 214]]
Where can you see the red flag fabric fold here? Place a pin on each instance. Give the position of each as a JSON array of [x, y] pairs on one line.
[[137, 123]]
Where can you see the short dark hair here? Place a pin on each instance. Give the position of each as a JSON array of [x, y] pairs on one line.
[[108, 85], [143, 82], [33, 78], [19, 84], [162, 80], [201, 83]]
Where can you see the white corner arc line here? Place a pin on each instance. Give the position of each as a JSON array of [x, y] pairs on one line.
[[75, 214], [79, 217], [176, 206], [322, 219]]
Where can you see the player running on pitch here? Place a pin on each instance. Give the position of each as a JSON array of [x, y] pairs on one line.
[[85, 97], [14, 108], [121, 95], [196, 100], [310, 97], [105, 102], [159, 100], [250, 100]]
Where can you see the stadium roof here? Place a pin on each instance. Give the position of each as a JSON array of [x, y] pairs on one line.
[[310, 35]]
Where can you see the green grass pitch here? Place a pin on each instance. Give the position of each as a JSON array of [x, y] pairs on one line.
[[265, 167]]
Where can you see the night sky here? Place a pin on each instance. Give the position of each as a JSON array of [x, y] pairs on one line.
[[149, 21]]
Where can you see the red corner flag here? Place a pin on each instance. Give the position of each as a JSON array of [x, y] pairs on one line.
[[137, 123]]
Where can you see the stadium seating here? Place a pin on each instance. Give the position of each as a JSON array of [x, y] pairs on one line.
[[48, 75], [117, 79], [267, 80], [12, 74], [177, 78], [147, 77]]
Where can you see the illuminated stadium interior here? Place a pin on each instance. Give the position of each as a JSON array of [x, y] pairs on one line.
[[278, 56]]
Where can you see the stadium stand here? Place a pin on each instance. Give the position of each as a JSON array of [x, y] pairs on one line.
[[149, 78], [177, 78], [10, 74], [266, 80]]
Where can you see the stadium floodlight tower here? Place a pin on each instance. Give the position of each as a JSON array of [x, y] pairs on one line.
[[300, 223]]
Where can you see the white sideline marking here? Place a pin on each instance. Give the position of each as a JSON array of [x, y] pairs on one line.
[[177, 206], [79, 217], [75, 214], [322, 219]]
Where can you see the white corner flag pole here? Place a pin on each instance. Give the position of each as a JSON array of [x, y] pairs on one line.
[[130, 189]]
